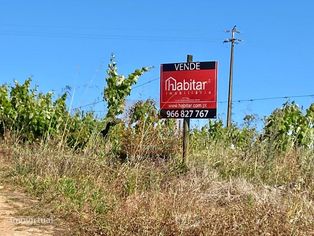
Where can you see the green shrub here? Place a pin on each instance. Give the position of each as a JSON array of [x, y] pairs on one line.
[[289, 127], [37, 116], [31, 115]]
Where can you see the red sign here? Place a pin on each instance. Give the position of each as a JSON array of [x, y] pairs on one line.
[[190, 87]]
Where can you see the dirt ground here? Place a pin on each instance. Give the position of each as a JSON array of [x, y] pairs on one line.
[[11, 202]]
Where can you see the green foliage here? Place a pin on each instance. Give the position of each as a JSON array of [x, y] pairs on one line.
[[288, 127], [215, 132], [36, 116], [82, 127], [30, 114], [143, 111], [118, 88]]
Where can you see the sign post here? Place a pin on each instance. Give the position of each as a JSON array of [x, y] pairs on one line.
[[186, 127], [188, 90]]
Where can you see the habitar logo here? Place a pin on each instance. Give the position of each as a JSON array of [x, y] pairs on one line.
[[171, 84]]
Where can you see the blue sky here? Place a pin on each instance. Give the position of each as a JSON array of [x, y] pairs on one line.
[[62, 43]]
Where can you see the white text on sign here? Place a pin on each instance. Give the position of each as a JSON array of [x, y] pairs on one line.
[[188, 66], [171, 84]]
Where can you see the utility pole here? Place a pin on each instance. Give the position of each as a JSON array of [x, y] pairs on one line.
[[186, 127], [231, 40]]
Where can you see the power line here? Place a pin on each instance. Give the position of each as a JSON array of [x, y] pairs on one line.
[[101, 100], [93, 28], [221, 102], [138, 33], [89, 104], [157, 38], [269, 98], [148, 82]]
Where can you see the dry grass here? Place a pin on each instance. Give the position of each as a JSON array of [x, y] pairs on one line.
[[221, 191]]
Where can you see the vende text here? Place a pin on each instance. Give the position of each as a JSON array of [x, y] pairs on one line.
[[188, 66]]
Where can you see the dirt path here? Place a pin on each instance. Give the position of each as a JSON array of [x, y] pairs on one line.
[[13, 202], [12, 224]]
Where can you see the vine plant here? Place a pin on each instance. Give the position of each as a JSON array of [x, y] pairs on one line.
[[118, 88]]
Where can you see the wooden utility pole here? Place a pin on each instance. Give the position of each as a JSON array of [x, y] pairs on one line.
[[232, 40], [186, 127]]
